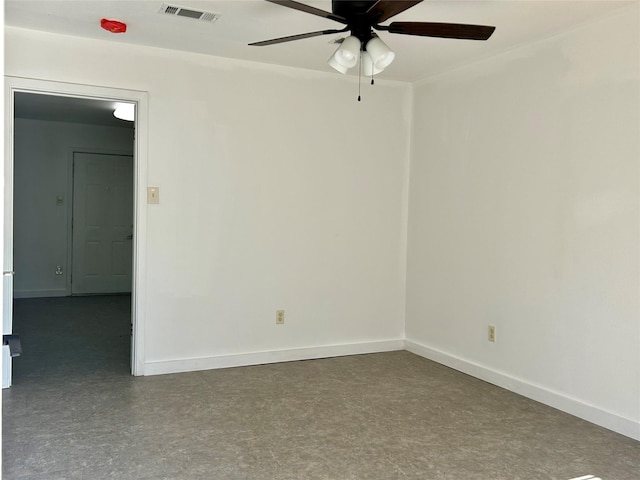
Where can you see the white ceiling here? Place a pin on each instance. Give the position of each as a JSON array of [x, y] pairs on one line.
[[245, 21]]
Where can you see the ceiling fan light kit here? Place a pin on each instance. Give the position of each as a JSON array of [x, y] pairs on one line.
[[381, 55], [368, 67], [346, 56], [378, 55], [336, 65], [361, 18]]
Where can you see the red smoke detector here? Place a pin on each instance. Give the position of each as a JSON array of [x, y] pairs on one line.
[[113, 26]]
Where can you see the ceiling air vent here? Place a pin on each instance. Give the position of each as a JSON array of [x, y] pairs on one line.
[[189, 13]]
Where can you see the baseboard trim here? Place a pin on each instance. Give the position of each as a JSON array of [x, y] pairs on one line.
[[573, 406], [275, 356], [40, 293]]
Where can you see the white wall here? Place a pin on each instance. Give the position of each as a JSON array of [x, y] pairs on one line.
[[524, 209], [277, 190], [43, 161]]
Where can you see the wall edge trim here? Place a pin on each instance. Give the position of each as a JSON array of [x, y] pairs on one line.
[[269, 356], [539, 393], [37, 293]]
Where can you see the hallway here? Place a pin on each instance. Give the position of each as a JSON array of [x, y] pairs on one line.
[[67, 337]]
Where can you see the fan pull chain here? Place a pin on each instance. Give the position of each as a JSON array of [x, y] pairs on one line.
[[359, 74]]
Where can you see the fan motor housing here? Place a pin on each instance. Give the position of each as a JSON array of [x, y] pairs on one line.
[[355, 12], [348, 9]]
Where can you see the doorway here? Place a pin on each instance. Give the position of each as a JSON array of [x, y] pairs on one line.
[[57, 274]]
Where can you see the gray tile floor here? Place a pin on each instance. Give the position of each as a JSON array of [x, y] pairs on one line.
[[75, 413]]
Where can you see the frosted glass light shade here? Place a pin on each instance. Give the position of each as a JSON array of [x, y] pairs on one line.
[[333, 63], [368, 68], [346, 56], [125, 111], [381, 55]]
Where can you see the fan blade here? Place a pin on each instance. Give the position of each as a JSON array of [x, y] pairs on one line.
[[295, 37], [308, 9], [442, 30], [384, 9]]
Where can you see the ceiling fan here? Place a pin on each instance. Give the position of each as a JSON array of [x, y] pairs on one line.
[[361, 18]]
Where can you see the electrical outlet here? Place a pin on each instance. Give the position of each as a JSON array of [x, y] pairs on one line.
[[279, 317], [492, 333], [59, 270]]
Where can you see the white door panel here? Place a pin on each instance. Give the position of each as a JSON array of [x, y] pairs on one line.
[[102, 223]]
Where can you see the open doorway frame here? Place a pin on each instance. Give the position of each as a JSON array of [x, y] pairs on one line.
[[138, 292]]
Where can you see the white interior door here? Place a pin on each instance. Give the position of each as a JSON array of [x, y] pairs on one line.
[[102, 223]]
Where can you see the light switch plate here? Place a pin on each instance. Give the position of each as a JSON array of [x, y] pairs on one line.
[[153, 195]]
